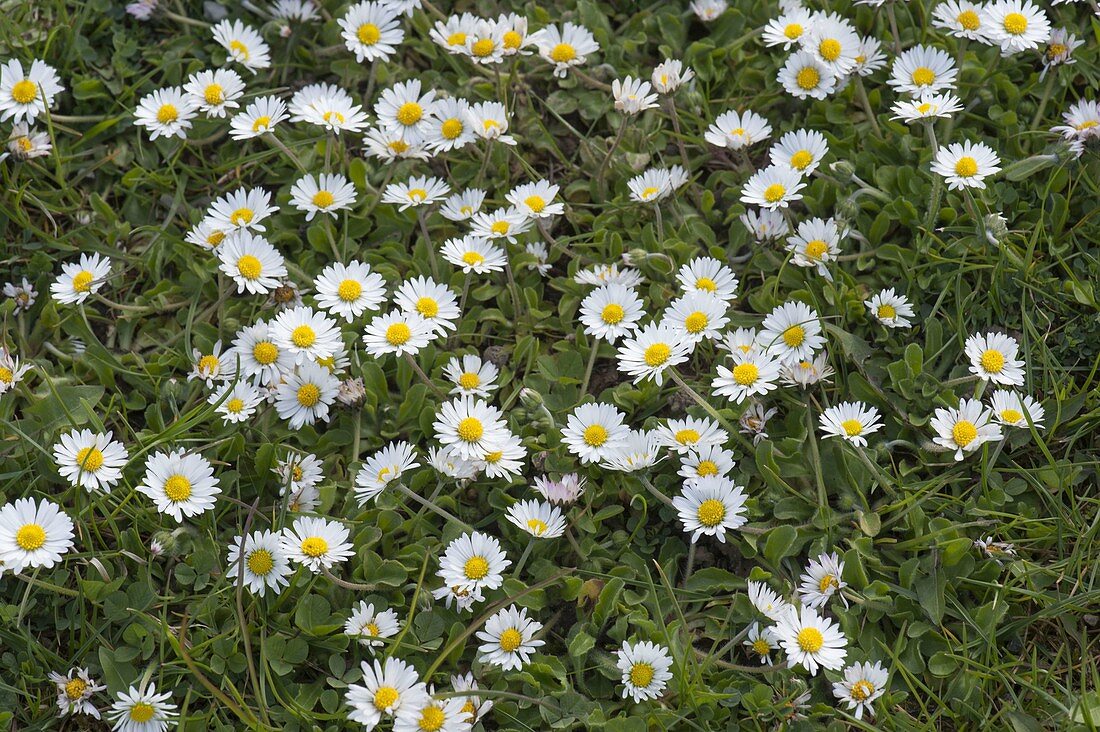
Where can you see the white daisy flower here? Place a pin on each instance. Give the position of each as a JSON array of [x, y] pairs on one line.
[[965, 428], [431, 713], [708, 460], [993, 357], [24, 96], [489, 121], [762, 642], [397, 332], [435, 303], [11, 371], [691, 434], [322, 194], [244, 44], [165, 113], [821, 580], [793, 331], [641, 450], [1082, 121], [383, 468], [372, 31], [513, 30], [212, 367], [960, 18], [788, 29], [473, 427], [317, 543], [327, 106], [736, 130], [696, 316], [766, 600], [816, 243], [405, 111], [670, 75], [485, 42], [474, 254], [450, 127], [180, 484], [923, 69], [773, 187], [463, 599], [610, 312], [927, 106], [404, 6], [473, 562], [88, 459], [305, 334], [387, 145], [418, 191], [811, 640], [74, 692], [863, 683], [799, 150], [242, 209], [1012, 409], [471, 375], [265, 564], [592, 431], [1015, 25], [299, 11], [215, 92], [206, 234], [564, 48], [297, 472], [708, 276], [370, 625], [236, 402], [870, 57], [475, 706], [645, 670], [803, 75], [451, 34], [509, 639], [652, 185], [536, 200], [609, 274], [650, 350], [387, 688], [710, 506], [24, 295], [259, 356], [349, 290], [754, 373], [833, 42], [708, 10], [23, 144], [891, 309], [807, 372], [851, 421], [305, 395], [258, 118], [33, 534], [305, 500], [632, 96], [504, 223], [1059, 51], [507, 460], [741, 340], [538, 518], [142, 709], [252, 262], [463, 205]]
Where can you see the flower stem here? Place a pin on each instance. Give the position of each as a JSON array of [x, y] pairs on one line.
[[433, 507], [422, 218], [423, 376]]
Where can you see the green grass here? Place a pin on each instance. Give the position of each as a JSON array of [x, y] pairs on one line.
[[970, 643]]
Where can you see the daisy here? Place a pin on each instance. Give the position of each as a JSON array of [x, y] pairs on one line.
[[609, 274], [1013, 410], [11, 372], [538, 518], [742, 340], [793, 331], [252, 262], [323, 194], [215, 92], [212, 367], [24, 294], [33, 534], [74, 692], [383, 468], [404, 6], [708, 460], [773, 187], [966, 428], [305, 500], [645, 670], [485, 43], [993, 357], [473, 562], [474, 254], [165, 113], [489, 121], [536, 200], [650, 350], [473, 427], [24, 96], [463, 205], [870, 57], [244, 44], [298, 472], [564, 48], [927, 106], [435, 303], [372, 31], [788, 29], [23, 144], [206, 234], [1015, 25], [923, 69], [691, 434], [1082, 120], [709, 506], [142, 709], [430, 713], [632, 96], [641, 450], [563, 491], [451, 33], [762, 642], [91, 460], [463, 599], [1060, 50], [832, 42], [509, 639], [651, 186], [180, 484], [960, 18], [507, 460], [387, 688], [799, 150], [708, 10], [736, 130], [264, 564], [707, 275], [670, 75], [258, 118], [594, 430], [305, 396], [504, 223], [419, 191], [513, 33], [369, 625], [236, 402], [405, 111], [610, 312], [305, 334], [891, 309], [816, 243], [348, 290], [471, 376], [803, 75], [242, 209], [766, 600], [807, 372], [475, 706], [822, 580], [298, 11], [811, 640], [316, 543], [450, 126], [851, 421], [327, 106], [383, 143], [397, 332], [258, 355], [753, 373], [863, 683]]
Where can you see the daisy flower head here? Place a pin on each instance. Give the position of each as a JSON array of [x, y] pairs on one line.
[[708, 460], [870, 58], [960, 18], [24, 144], [691, 434], [609, 274], [305, 334], [766, 224], [259, 117], [536, 200], [348, 290], [206, 234], [670, 75], [851, 421], [632, 96], [891, 309], [383, 468], [766, 600], [803, 75], [435, 303], [405, 111], [741, 340], [1059, 50], [471, 375], [793, 331], [370, 625], [388, 145], [372, 31], [26, 94], [212, 367], [754, 373], [710, 506], [450, 125], [966, 428], [258, 355], [324, 193], [215, 92], [788, 29], [652, 349], [417, 191], [513, 33], [244, 44], [928, 105], [592, 431], [1082, 121], [489, 121], [244, 208], [565, 47], [993, 357], [1013, 410], [485, 42], [142, 709], [815, 244], [463, 205], [88, 459], [11, 371], [296, 472], [74, 692], [639, 451], [433, 713], [451, 33], [462, 598], [651, 186], [397, 332], [504, 223], [540, 519], [406, 7], [773, 187], [821, 580], [610, 312], [24, 295], [807, 372], [180, 484], [833, 42], [474, 707], [327, 106], [923, 69], [474, 254], [165, 113], [708, 10], [799, 150], [645, 670], [260, 562], [298, 11], [1015, 25], [473, 562], [736, 130], [761, 642], [810, 640], [305, 395], [236, 402], [507, 460], [472, 426], [508, 640], [386, 688], [863, 683], [317, 543], [33, 534]]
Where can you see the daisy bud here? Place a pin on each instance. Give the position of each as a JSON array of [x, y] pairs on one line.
[[843, 170], [351, 392], [161, 543], [996, 228], [531, 398]]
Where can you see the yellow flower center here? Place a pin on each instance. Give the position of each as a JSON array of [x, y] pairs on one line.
[[482, 48], [706, 283], [737, 132], [456, 39], [650, 192], [810, 640], [807, 78], [828, 581], [432, 719], [595, 435], [793, 31], [992, 361], [1055, 50], [6, 375], [349, 290], [323, 199], [416, 195], [696, 322], [964, 433], [476, 568], [303, 336], [490, 124], [705, 468], [470, 429], [386, 697], [613, 314], [208, 364], [969, 20], [657, 354], [1087, 125], [308, 395], [177, 488], [816, 248], [469, 709], [500, 228], [687, 437], [242, 216], [371, 629], [563, 53], [142, 712], [774, 193], [535, 203], [801, 159], [24, 91], [887, 312], [427, 307], [167, 114], [214, 94], [25, 144], [469, 380], [794, 336], [641, 675], [368, 34], [89, 459], [398, 334], [82, 282], [862, 690], [331, 115], [74, 689], [1015, 23], [746, 373], [260, 562], [239, 49], [30, 537], [760, 647], [510, 640], [234, 405], [923, 76], [829, 49], [265, 353], [409, 113], [536, 526], [1012, 415], [711, 512], [472, 258], [852, 427], [512, 40], [314, 546], [451, 128], [249, 267], [494, 457]]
